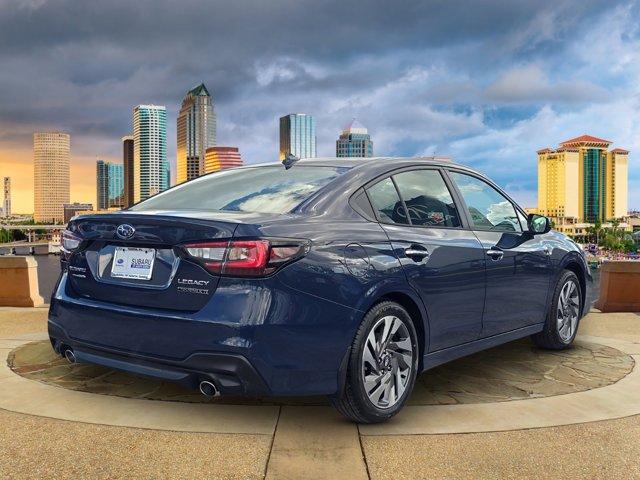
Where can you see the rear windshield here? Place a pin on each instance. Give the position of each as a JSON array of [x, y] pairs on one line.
[[257, 189]]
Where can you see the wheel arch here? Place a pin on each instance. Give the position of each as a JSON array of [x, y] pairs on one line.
[[419, 322], [573, 264], [410, 301]]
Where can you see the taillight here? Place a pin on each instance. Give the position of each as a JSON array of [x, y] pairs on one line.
[[69, 241], [245, 258]]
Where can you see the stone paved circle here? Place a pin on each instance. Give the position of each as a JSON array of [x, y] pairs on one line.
[[514, 371]]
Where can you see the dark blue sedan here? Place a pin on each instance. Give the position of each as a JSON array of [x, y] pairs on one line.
[[341, 277]]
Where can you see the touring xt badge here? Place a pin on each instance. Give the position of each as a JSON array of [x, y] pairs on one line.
[[190, 285]]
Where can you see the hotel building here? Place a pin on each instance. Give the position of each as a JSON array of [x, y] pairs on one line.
[[219, 158], [354, 141], [196, 131], [297, 135], [581, 182], [51, 159], [150, 165]]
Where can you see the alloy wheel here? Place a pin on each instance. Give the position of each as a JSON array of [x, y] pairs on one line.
[[387, 360], [567, 310]]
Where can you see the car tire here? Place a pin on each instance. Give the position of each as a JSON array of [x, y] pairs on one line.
[[563, 317], [377, 386]]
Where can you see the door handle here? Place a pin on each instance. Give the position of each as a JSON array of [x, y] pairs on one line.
[[495, 253], [416, 254]]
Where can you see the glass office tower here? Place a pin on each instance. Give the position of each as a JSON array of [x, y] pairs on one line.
[[354, 141], [196, 131], [297, 135], [127, 162], [109, 185], [150, 165]]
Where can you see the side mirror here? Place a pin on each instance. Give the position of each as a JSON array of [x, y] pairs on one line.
[[538, 224]]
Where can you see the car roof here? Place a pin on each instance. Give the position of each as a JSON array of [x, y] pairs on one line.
[[373, 165], [382, 164], [373, 161]]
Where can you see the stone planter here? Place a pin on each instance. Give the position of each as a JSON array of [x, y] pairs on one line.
[[619, 287], [19, 282]]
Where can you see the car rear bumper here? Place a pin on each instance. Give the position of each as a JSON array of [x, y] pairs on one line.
[[252, 338], [232, 374]]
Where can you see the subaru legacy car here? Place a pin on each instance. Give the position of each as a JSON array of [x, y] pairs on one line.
[[337, 277]]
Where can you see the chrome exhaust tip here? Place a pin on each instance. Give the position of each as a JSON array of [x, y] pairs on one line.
[[208, 389], [69, 355]]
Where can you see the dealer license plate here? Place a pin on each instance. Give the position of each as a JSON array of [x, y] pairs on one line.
[[135, 263]]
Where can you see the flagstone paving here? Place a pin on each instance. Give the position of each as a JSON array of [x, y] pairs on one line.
[[514, 371]]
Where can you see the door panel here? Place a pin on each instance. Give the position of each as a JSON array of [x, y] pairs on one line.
[[518, 267], [517, 283], [450, 280]]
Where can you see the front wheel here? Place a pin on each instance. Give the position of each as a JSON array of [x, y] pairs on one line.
[[382, 367], [561, 325]]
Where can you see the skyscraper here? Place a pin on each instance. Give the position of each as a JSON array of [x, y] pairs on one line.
[[7, 197], [297, 135], [109, 185], [354, 141], [116, 185], [219, 158], [196, 131], [150, 165], [583, 181], [102, 185], [51, 158], [127, 163]]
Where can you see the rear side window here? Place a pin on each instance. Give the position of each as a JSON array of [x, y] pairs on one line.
[[427, 198], [386, 202], [488, 208], [269, 189]]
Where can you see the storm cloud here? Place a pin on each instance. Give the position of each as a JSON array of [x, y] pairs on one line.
[[488, 82]]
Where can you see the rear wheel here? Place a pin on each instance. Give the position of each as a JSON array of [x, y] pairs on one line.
[[562, 320], [382, 367]]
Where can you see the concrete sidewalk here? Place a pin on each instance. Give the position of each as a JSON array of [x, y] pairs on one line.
[[307, 441]]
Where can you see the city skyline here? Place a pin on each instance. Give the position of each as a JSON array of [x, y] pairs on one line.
[[451, 84]]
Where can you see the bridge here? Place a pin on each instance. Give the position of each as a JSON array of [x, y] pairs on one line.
[[14, 226]]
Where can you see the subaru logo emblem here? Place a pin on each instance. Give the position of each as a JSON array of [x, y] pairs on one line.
[[125, 231]]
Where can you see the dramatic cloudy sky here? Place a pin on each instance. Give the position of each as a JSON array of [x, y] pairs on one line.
[[487, 82]]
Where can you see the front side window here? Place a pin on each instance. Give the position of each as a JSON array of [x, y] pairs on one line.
[[427, 198], [487, 208], [386, 202]]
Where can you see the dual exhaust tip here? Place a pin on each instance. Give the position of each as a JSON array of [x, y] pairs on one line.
[[207, 388], [67, 353]]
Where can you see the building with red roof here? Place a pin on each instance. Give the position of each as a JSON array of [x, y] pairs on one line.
[[582, 180]]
